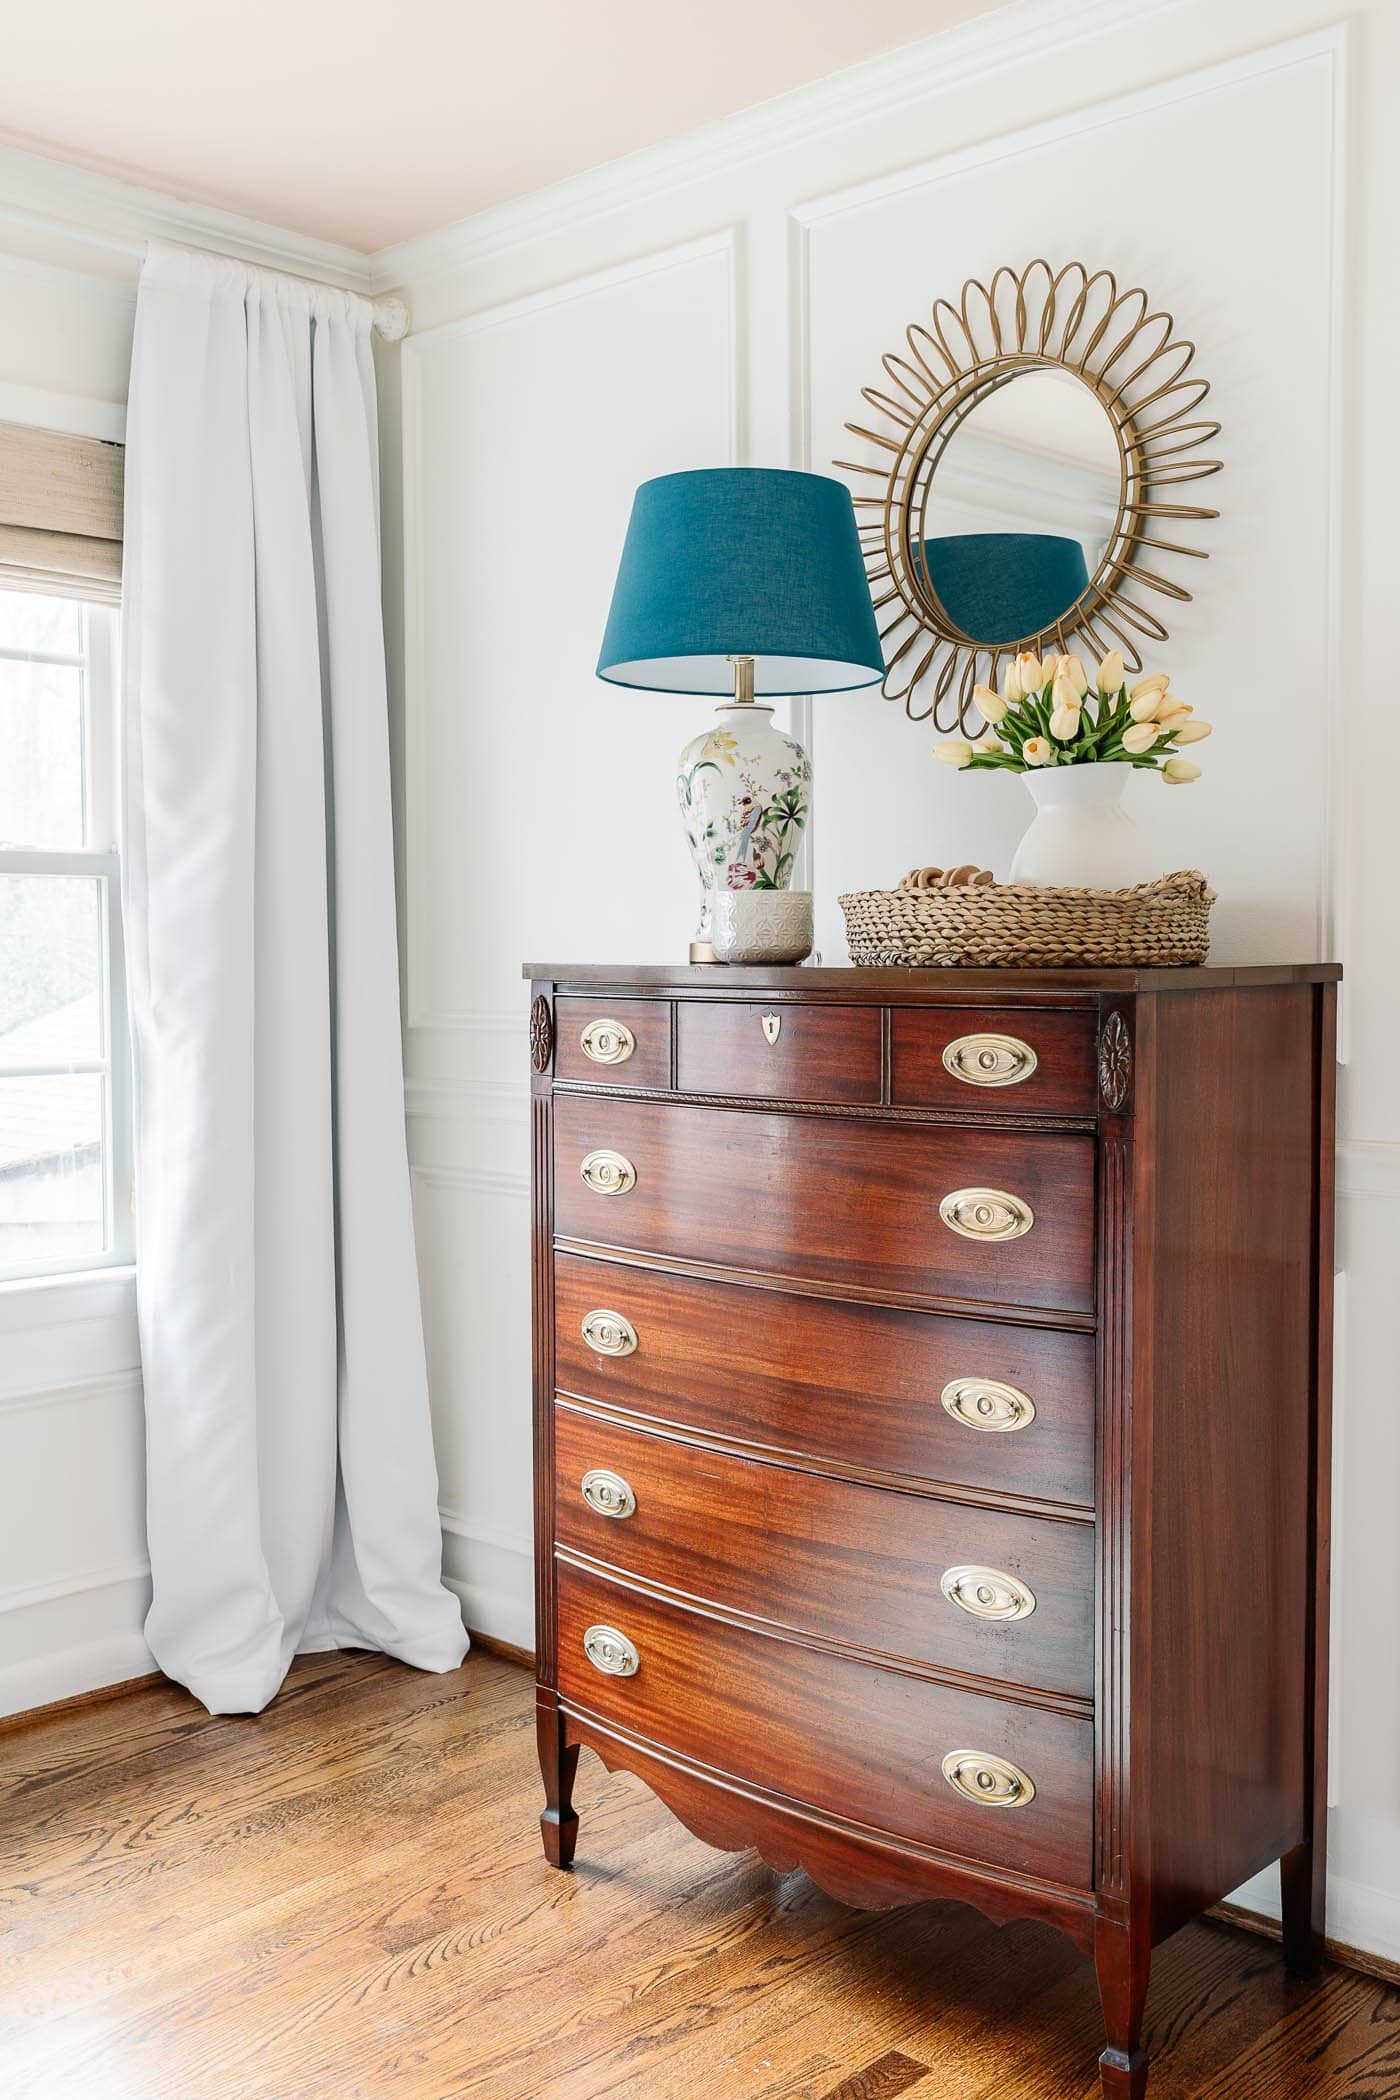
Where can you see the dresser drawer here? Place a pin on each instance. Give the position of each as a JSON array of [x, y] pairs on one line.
[[834, 1200], [865, 1386], [902, 1575], [840, 1735], [1001, 1060], [613, 1042], [786, 1053]]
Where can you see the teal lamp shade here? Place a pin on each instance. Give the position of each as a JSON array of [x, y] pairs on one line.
[[1001, 587], [742, 561]]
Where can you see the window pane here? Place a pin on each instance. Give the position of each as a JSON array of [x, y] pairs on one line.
[[29, 620], [50, 1168], [41, 738], [50, 970]]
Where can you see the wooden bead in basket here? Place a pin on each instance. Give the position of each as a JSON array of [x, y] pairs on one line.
[[947, 878]]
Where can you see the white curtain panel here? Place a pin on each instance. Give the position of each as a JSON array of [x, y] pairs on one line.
[[292, 1494]]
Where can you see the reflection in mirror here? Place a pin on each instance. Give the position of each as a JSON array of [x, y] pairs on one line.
[[1021, 506]]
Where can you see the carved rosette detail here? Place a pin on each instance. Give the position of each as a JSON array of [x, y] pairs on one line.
[[1115, 1063], [541, 1034]]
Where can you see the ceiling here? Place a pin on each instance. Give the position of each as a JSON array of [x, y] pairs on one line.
[[367, 121]]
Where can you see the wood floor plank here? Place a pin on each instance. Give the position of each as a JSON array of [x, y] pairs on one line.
[[889, 2075], [51, 1820], [345, 1899], [42, 1757], [740, 2026], [635, 1994], [1336, 2040], [292, 1950], [316, 1993], [172, 1828]]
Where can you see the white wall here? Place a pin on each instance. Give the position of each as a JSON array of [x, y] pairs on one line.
[[723, 299], [74, 1583]]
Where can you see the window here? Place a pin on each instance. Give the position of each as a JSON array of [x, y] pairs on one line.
[[65, 1145]]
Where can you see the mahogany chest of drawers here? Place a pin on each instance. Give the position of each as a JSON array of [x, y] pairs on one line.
[[932, 1430]]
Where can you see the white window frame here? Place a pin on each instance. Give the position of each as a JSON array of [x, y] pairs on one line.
[[99, 860]]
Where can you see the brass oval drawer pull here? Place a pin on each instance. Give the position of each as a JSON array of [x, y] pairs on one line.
[[987, 1593], [607, 1494], [986, 1214], [992, 1782], [610, 1651], [985, 1403], [609, 1333], [990, 1060], [608, 1042], [608, 1173]]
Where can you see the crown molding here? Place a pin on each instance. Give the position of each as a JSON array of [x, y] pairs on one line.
[[72, 205], [1023, 32]]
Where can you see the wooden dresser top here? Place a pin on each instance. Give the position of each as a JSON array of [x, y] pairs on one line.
[[915, 986]]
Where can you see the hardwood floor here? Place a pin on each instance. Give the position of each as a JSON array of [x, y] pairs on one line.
[[345, 1899]]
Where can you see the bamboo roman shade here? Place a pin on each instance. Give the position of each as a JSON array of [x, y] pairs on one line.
[[60, 513]]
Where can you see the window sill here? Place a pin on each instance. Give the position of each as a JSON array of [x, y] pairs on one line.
[[72, 1294]]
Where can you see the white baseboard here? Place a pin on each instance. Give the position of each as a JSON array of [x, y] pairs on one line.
[[88, 1667], [60, 1639], [496, 1586], [1357, 1915]]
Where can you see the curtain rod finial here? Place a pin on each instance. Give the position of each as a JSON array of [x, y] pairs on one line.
[[391, 319]]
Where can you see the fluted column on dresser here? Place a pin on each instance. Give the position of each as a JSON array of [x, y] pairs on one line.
[[558, 1759], [1123, 1932]]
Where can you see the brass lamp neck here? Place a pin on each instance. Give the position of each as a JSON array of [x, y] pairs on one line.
[[743, 680]]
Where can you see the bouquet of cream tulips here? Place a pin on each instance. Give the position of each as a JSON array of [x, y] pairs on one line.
[[1045, 715]]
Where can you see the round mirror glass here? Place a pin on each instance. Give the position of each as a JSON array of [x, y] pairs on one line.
[[1021, 505]]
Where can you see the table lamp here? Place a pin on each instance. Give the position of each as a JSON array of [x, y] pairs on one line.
[[749, 582]]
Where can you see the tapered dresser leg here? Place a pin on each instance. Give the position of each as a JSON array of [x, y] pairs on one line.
[[1123, 1967], [1302, 1880], [558, 1764]]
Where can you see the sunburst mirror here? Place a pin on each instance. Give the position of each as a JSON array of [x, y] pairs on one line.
[[1030, 446]]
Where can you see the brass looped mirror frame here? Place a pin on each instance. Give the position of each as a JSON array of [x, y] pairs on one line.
[[1137, 368]]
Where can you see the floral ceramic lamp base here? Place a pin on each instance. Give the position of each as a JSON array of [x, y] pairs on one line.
[[744, 791]]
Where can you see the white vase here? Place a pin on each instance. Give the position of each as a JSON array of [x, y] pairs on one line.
[[1081, 837], [744, 790]]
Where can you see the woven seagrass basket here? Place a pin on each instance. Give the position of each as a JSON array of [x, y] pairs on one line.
[[1165, 923]]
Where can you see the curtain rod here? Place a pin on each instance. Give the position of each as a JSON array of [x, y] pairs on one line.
[[391, 316]]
